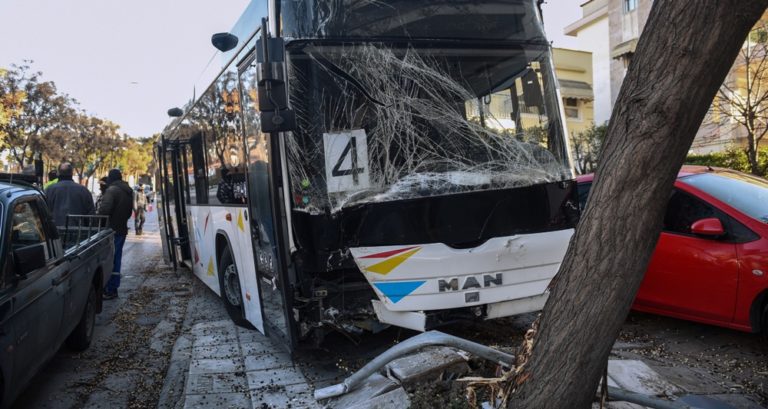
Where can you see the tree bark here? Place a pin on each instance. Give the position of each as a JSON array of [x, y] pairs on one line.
[[683, 56]]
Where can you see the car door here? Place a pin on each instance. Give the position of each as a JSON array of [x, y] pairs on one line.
[[37, 304], [72, 279], [691, 276], [6, 328]]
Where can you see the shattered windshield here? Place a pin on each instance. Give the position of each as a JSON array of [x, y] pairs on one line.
[[391, 121], [515, 20]]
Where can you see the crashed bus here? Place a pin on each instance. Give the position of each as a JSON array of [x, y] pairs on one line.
[[355, 164]]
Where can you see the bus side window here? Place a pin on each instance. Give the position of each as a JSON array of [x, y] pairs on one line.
[[198, 174], [224, 150]]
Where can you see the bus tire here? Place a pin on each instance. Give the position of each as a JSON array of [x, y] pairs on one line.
[[231, 294], [81, 336]]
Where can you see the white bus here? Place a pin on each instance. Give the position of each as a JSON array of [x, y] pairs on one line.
[[392, 162]]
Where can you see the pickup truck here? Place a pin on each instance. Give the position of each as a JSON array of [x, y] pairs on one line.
[[50, 284]]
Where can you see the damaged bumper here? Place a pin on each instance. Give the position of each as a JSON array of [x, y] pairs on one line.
[[503, 276]]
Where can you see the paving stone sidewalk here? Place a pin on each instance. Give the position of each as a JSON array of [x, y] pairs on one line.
[[233, 367]]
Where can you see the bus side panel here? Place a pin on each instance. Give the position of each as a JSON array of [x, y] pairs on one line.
[[205, 223], [203, 245], [247, 269]]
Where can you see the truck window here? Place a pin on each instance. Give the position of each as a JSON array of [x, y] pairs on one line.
[[27, 228]]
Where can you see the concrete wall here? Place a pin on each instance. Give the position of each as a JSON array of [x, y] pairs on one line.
[[595, 39]]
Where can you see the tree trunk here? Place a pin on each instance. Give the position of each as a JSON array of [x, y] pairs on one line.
[[752, 154], [683, 56]]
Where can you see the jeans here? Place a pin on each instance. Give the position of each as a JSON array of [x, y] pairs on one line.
[[138, 220], [114, 280]]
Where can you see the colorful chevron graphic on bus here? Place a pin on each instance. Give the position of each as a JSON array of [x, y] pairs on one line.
[[393, 258], [398, 290]]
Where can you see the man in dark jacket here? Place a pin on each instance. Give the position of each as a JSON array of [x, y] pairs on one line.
[[67, 197], [117, 203]]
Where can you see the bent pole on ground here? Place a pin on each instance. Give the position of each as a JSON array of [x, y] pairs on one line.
[[430, 338], [437, 338]]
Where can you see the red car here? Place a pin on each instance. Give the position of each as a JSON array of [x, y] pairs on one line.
[[711, 262]]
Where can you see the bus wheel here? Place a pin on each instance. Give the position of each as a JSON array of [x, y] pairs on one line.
[[229, 284]]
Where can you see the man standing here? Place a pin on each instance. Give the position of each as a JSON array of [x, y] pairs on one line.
[[117, 203], [67, 197], [139, 207], [53, 177]]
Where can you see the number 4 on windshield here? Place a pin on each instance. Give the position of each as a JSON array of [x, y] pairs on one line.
[[346, 161]]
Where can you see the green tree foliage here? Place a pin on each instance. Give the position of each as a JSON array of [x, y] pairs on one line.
[[135, 157], [586, 146], [36, 118], [38, 114], [733, 158]]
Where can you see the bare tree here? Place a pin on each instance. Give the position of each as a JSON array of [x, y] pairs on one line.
[[743, 98], [683, 56]]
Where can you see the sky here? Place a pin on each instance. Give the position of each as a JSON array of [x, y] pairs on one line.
[[130, 61]]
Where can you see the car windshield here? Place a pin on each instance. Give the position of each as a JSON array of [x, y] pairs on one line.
[[746, 193]]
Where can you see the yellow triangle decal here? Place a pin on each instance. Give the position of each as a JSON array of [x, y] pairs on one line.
[[240, 220], [390, 264], [210, 266]]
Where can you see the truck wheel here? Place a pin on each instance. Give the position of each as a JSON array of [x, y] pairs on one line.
[[231, 294], [81, 336]]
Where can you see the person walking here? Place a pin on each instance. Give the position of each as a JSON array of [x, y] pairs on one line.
[[139, 207], [66, 197], [102, 190], [117, 203]]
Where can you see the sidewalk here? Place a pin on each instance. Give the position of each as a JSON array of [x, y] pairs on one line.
[[233, 367]]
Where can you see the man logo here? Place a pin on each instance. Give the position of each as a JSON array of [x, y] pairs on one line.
[[452, 284]]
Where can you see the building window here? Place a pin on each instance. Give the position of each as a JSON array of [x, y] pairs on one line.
[[571, 108], [630, 5]]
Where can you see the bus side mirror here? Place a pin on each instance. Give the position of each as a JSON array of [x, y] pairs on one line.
[[274, 113], [224, 41]]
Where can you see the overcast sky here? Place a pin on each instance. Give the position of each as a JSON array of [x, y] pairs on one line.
[[131, 60]]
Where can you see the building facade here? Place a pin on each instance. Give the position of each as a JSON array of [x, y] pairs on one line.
[[610, 29], [574, 73], [593, 33]]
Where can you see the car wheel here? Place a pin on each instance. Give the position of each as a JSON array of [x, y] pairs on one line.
[[231, 294], [764, 322], [81, 336]]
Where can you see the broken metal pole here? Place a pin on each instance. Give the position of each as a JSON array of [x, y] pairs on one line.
[[430, 338]]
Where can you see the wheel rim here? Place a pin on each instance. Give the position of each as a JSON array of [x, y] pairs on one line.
[[232, 285]]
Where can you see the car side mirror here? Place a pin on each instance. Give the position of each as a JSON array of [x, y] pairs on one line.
[[29, 259], [710, 227]]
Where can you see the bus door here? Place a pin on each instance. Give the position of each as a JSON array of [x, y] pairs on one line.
[[266, 208], [177, 193], [164, 205]]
